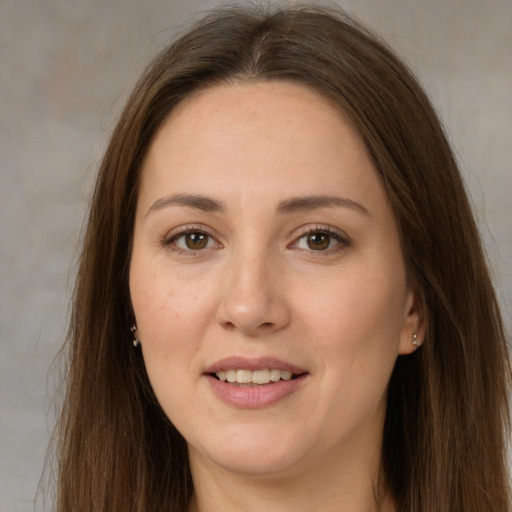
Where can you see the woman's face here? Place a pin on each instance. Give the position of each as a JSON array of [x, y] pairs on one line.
[[266, 253]]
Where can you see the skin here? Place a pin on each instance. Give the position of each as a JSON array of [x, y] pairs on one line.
[[337, 303]]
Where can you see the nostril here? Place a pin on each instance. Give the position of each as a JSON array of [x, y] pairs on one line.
[[229, 325]]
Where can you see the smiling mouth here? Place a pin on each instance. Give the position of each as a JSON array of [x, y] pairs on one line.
[[255, 378]]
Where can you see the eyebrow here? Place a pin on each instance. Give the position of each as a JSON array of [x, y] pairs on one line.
[[292, 205], [198, 202], [298, 204]]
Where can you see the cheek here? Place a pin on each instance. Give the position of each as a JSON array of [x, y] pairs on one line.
[[171, 321], [358, 305], [167, 307], [355, 326], [355, 334], [173, 314]]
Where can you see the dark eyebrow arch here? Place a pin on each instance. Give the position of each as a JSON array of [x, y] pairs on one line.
[[198, 202], [298, 204]]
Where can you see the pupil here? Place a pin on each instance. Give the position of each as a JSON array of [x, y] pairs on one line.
[[196, 240], [318, 241]]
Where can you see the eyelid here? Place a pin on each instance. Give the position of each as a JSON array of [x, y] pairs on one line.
[[337, 234], [167, 240], [174, 234]]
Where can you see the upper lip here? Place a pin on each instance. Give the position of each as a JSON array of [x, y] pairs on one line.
[[260, 363]]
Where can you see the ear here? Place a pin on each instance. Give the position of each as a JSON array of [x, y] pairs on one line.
[[415, 322]]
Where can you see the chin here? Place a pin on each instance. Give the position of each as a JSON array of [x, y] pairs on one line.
[[254, 451], [257, 464]]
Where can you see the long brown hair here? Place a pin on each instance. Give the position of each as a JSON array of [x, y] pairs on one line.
[[447, 415]]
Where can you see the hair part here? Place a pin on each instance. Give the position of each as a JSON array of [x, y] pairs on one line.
[[447, 414]]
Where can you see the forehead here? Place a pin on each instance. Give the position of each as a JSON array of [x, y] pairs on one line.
[[270, 136], [246, 106], [260, 144]]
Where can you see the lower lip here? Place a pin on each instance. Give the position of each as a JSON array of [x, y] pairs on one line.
[[255, 397]]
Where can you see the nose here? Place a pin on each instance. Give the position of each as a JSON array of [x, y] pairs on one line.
[[252, 301]]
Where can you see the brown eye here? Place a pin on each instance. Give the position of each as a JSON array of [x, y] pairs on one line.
[[318, 241], [321, 240], [196, 241], [191, 241]]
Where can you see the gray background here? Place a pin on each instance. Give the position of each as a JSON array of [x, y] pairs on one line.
[[66, 68]]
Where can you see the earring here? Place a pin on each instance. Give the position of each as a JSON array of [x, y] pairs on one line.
[[136, 341], [415, 340]]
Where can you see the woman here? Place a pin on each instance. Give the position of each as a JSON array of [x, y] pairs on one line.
[[280, 223]]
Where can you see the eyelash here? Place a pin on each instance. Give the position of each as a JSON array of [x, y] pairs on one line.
[[341, 239], [169, 241]]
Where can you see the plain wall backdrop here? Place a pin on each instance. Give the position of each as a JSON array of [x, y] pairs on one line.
[[66, 68]]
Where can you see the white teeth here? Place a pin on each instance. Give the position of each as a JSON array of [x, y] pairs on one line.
[[261, 377], [275, 375], [243, 376], [254, 377]]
